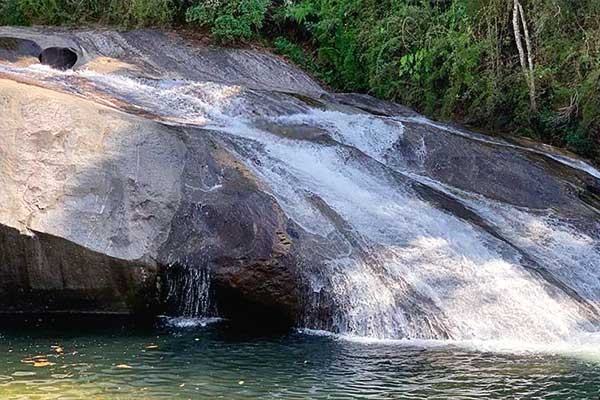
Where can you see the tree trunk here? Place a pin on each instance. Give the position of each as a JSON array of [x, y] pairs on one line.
[[527, 65]]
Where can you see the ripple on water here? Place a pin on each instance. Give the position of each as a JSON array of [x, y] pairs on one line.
[[214, 362]]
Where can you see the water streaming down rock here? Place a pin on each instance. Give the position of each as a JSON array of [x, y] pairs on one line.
[[188, 292], [389, 225]]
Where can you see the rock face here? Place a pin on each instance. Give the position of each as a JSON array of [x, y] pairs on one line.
[[136, 192], [42, 273], [15, 50], [159, 177]]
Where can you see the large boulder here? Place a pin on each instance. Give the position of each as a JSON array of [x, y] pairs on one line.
[[97, 203], [162, 177]]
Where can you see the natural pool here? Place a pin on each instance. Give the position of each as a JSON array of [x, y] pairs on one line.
[[92, 361]]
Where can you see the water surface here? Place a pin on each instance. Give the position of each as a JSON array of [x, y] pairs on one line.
[[217, 361]]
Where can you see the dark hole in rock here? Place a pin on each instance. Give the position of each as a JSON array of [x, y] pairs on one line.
[[14, 49], [595, 190], [251, 314], [58, 57]]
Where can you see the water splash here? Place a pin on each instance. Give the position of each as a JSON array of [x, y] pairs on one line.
[[585, 347], [188, 322]]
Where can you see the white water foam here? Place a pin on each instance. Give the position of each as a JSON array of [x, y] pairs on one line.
[[475, 280], [585, 347], [186, 323], [370, 134]]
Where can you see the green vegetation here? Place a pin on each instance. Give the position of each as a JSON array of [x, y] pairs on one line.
[[451, 59], [127, 13], [230, 20]]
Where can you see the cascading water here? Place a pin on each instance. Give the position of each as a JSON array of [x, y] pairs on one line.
[[412, 268], [188, 291]]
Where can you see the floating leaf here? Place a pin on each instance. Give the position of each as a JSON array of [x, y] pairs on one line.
[[57, 349], [42, 363], [124, 366], [37, 361]]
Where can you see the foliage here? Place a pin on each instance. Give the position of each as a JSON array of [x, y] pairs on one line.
[[229, 20], [126, 13], [295, 53], [11, 14]]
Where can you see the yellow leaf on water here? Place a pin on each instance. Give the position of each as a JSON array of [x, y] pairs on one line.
[[37, 361], [42, 363], [124, 366], [152, 347]]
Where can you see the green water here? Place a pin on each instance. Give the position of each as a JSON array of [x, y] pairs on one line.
[[217, 362]]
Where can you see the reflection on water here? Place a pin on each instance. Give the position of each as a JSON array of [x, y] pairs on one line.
[[216, 361]]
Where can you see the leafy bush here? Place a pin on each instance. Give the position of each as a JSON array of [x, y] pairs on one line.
[[296, 54], [581, 143], [11, 13], [229, 20], [140, 13], [126, 13]]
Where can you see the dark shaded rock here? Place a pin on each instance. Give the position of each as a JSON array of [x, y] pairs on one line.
[[45, 273], [58, 57], [233, 229], [17, 50], [370, 104], [505, 173]]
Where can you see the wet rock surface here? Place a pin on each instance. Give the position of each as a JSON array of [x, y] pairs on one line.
[[137, 192], [153, 160]]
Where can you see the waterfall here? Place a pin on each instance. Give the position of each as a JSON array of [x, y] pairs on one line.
[[476, 268], [188, 292]]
